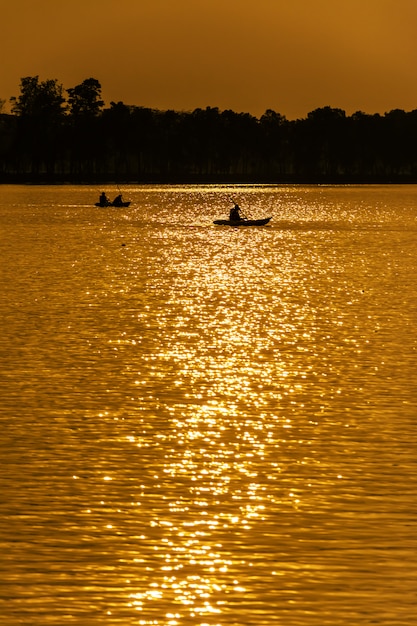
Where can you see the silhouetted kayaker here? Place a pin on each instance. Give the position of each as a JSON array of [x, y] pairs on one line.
[[235, 214], [118, 201], [104, 201]]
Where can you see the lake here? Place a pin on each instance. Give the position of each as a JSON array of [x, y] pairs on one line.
[[205, 425]]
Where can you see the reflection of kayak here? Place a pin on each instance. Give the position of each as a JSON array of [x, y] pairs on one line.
[[261, 222], [119, 204]]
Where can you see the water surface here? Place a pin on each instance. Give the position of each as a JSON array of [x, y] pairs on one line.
[[203, 424]]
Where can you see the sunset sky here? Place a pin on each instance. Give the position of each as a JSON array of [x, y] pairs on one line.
[[247, 55]]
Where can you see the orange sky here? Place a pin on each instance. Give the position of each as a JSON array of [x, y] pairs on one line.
[[247, 55]]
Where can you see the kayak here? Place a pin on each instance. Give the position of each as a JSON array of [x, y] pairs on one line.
[[120, 204], [261, 222]]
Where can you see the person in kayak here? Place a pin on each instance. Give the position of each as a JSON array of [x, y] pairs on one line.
[[104, 201], [235, 214], [118, 201]]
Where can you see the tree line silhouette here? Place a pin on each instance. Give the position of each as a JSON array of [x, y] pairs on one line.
[[56, 135]]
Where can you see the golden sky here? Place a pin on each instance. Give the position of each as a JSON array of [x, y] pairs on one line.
[[247, 55]]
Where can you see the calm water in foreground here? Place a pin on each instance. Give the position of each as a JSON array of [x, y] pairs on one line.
[[203, 425]]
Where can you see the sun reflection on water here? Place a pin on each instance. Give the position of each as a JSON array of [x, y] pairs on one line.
[[236, 370]]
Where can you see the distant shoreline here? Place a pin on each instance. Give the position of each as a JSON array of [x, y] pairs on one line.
[[50, 139]]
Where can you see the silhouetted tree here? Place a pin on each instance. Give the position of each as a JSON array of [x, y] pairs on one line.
[[86, 142], [320, 143], [84, 100], [39, 100], [117, 128], [366, 137], [396, 146], [274, 146], [40, 109]]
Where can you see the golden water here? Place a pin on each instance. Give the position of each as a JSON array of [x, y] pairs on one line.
[[204, 425]]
